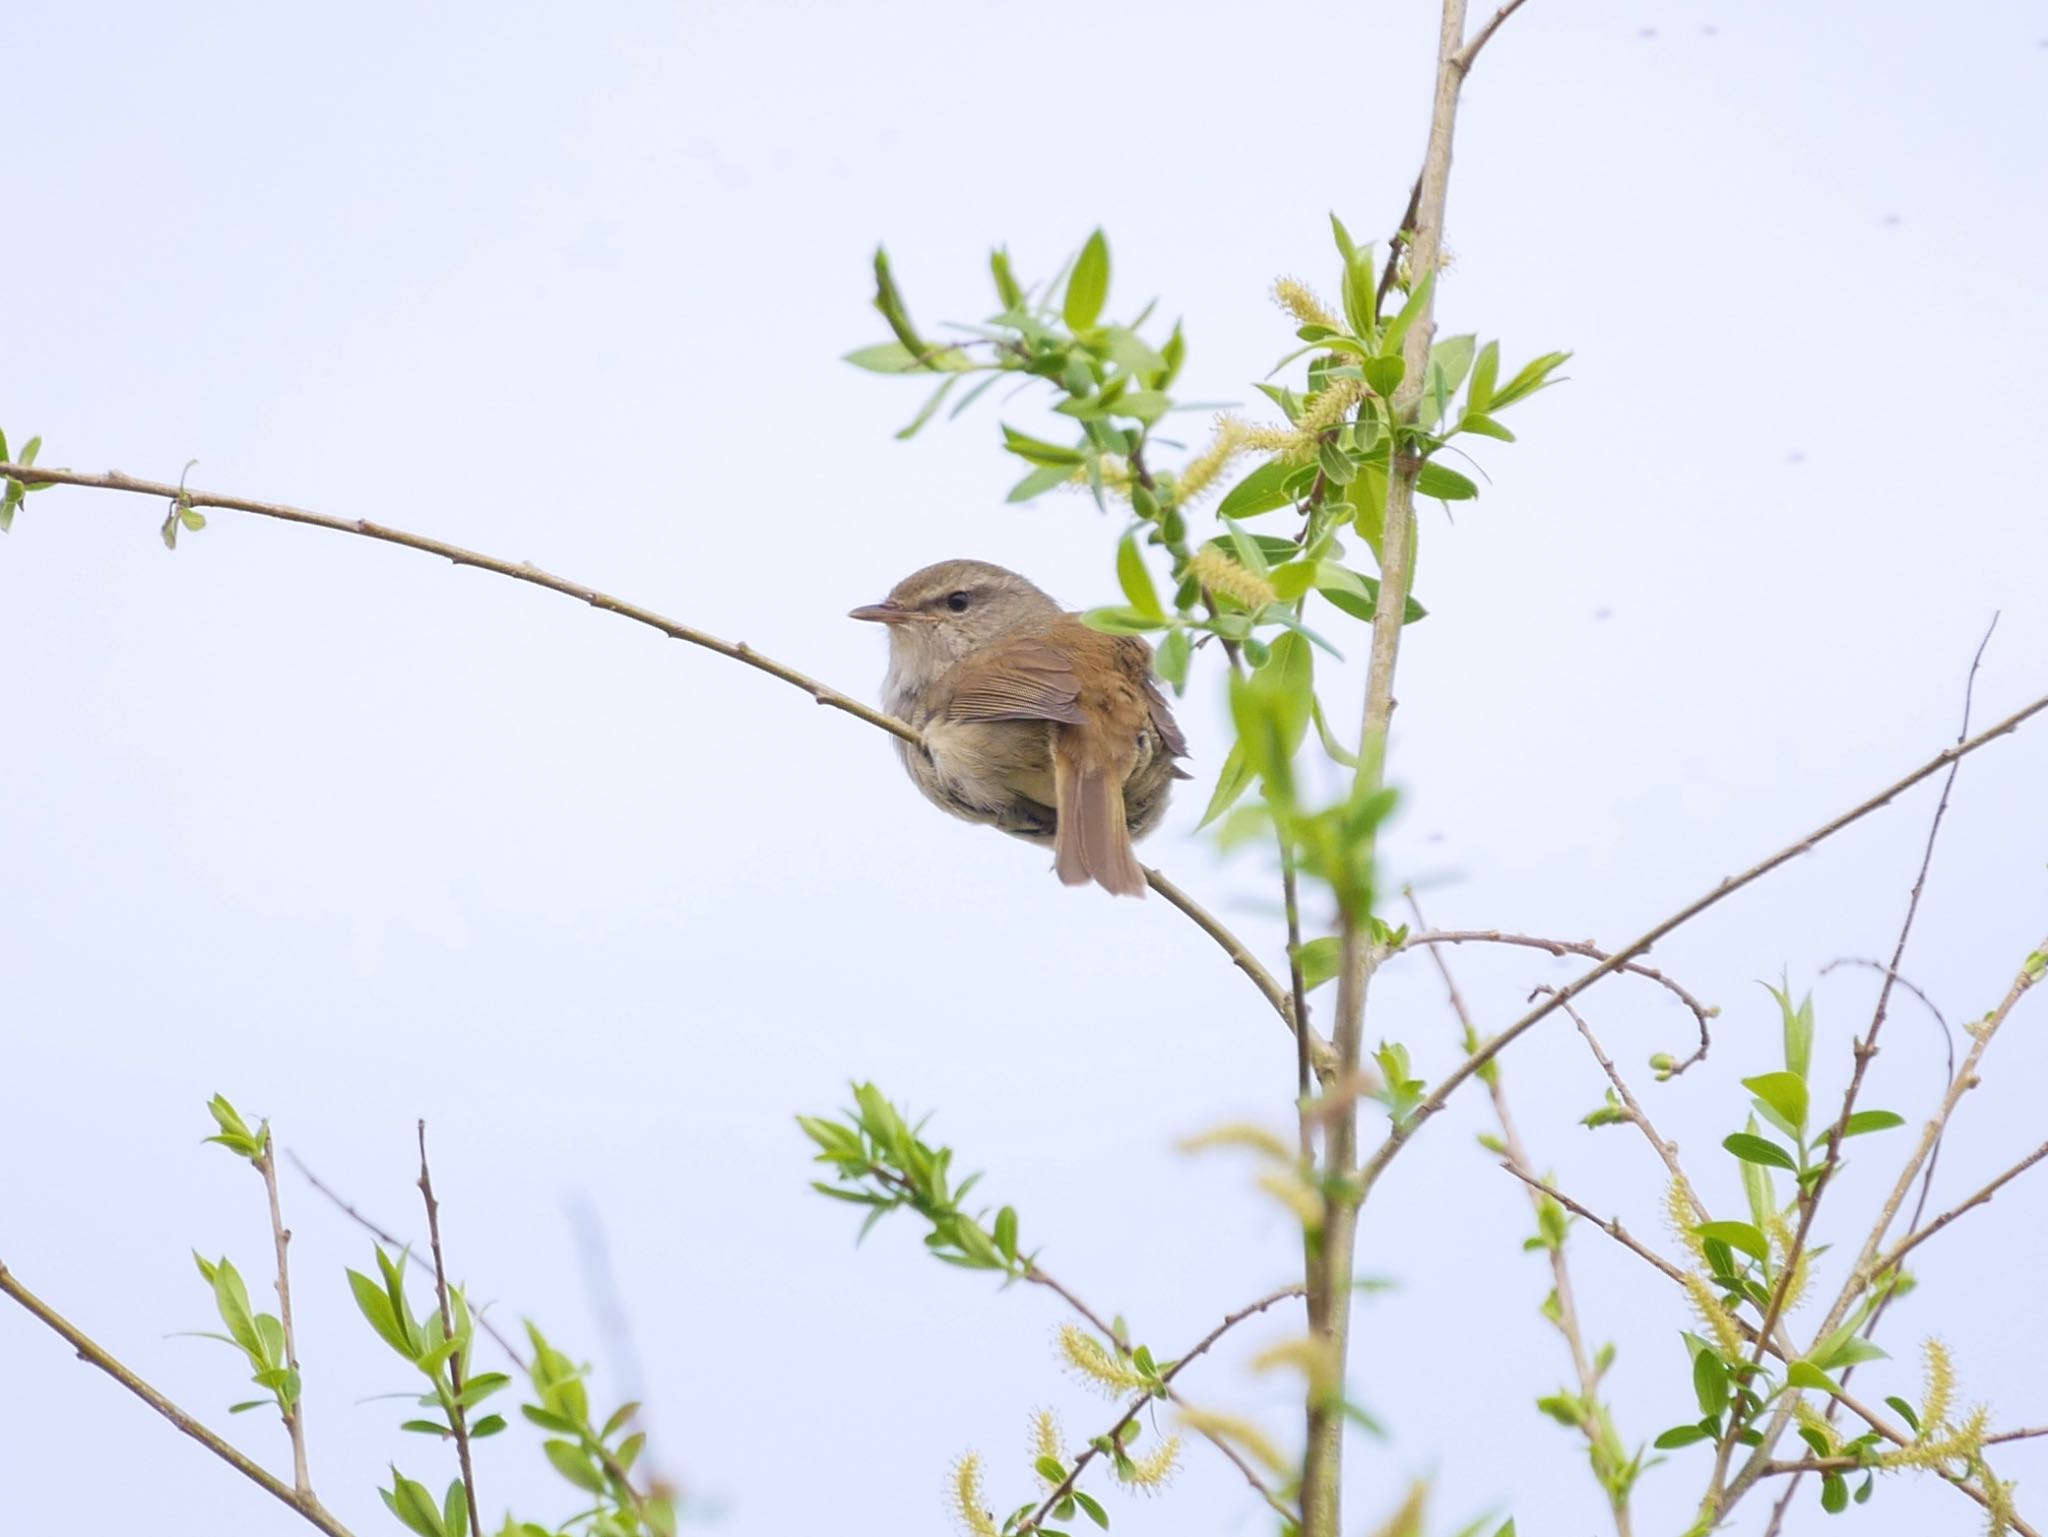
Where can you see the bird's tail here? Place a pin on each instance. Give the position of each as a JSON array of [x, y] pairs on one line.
[[1093, 842]]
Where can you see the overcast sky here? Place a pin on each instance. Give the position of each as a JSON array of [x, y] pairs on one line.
[[355, 837]]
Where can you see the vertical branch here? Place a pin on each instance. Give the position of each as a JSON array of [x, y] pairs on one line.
[[1330, 1295], [295, 1417], [458, 1417], [1560, 1270]]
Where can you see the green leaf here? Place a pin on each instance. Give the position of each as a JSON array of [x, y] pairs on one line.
[[1446, 485], [1321, 959], [1849, 1352], [1679, 1435], [231, 1297], [574, 1464], [1834, 1493], [1710, 1382], [884, 358], [1263, 490], [1171, 660], [1905, 1412], [1737, 1235], [1384, 374], [1784, 1093], [1123, 621], [1006, 1233], [1756, 1186], [1798, 1029], [455, 1510], [1485, 426], [1089, 284], [1008, 289], [1040, 481], [426, 1427], [1485, 370], [489, 1425], [29, 450], [1804, 1374], [1450, 360], [1533, 377], [1135, 580], [1234, 780], [1093, 1511], [1038, 451], [410, 1502], [1754, 1149], [1871, 1120], [376, 1307], [925, 413], [1418, 297]]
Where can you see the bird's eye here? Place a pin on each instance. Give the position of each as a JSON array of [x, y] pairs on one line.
[[958, 602]]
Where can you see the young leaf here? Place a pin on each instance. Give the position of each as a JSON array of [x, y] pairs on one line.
[[1737, 1235], [1089, 285], [1784, 1093], [1135, 580], [1871, 1120], [1754, 1149]]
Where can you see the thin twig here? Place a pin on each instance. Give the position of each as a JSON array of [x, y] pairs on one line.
[[738, 651], [1434, 1104], [1560, 1270], [1864, 1050], [1592, 952], [304, 1505], [1913, 1240], [1241, 957], [1238, 1460], [1110, 1332], [1200, 1348], [281, 1237], [458, 1416], [1464, 56], [403, 1246]]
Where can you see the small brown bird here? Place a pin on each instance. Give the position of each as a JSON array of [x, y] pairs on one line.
[[1032, 722]]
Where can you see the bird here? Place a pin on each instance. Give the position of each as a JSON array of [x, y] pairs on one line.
[[1029, 721]]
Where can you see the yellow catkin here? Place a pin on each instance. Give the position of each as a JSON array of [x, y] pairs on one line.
[[1941, 1387], [970, 1509], [1810, 1418], [1153, 1471], [1296, 1194], [1998, 1505], [1240, 1134], [1962, 1444], [1240, 1432], [1300, 301], [1045, 1436], [1328, 406], [1115, 472], [1220, 574], [1095, 1364], [1407, 1520], [1199, 474], [1678, 1215], [1720, 1323], [1781, 1237], [1314, 1358]]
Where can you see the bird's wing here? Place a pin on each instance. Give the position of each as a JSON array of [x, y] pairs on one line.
[[1136, 657], [1023, 679]]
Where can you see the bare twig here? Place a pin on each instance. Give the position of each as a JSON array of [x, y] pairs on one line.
[[458, 1416], [1701, 1012], [281, 1237], [1200, 1348], [1110, 1332], [403, 1246], [1560, 1269], [304, 1504], [1464, 56], [738, 651], [1913, 1240], [1241, 957], [1611, 1226], [1811, 1195], [1433, 1105]]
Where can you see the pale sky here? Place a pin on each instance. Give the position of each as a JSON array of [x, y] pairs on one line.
[[355, 837]]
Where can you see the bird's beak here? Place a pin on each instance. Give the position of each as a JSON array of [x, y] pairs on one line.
[[886, 613]]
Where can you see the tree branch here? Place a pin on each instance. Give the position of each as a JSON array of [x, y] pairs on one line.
[[458, 1416], [738, 651], [1561, 947], [302, 1504], [1200, 1348], [1560, 1269], [1402, 1134], [295, 1420], [1913, 1241]]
